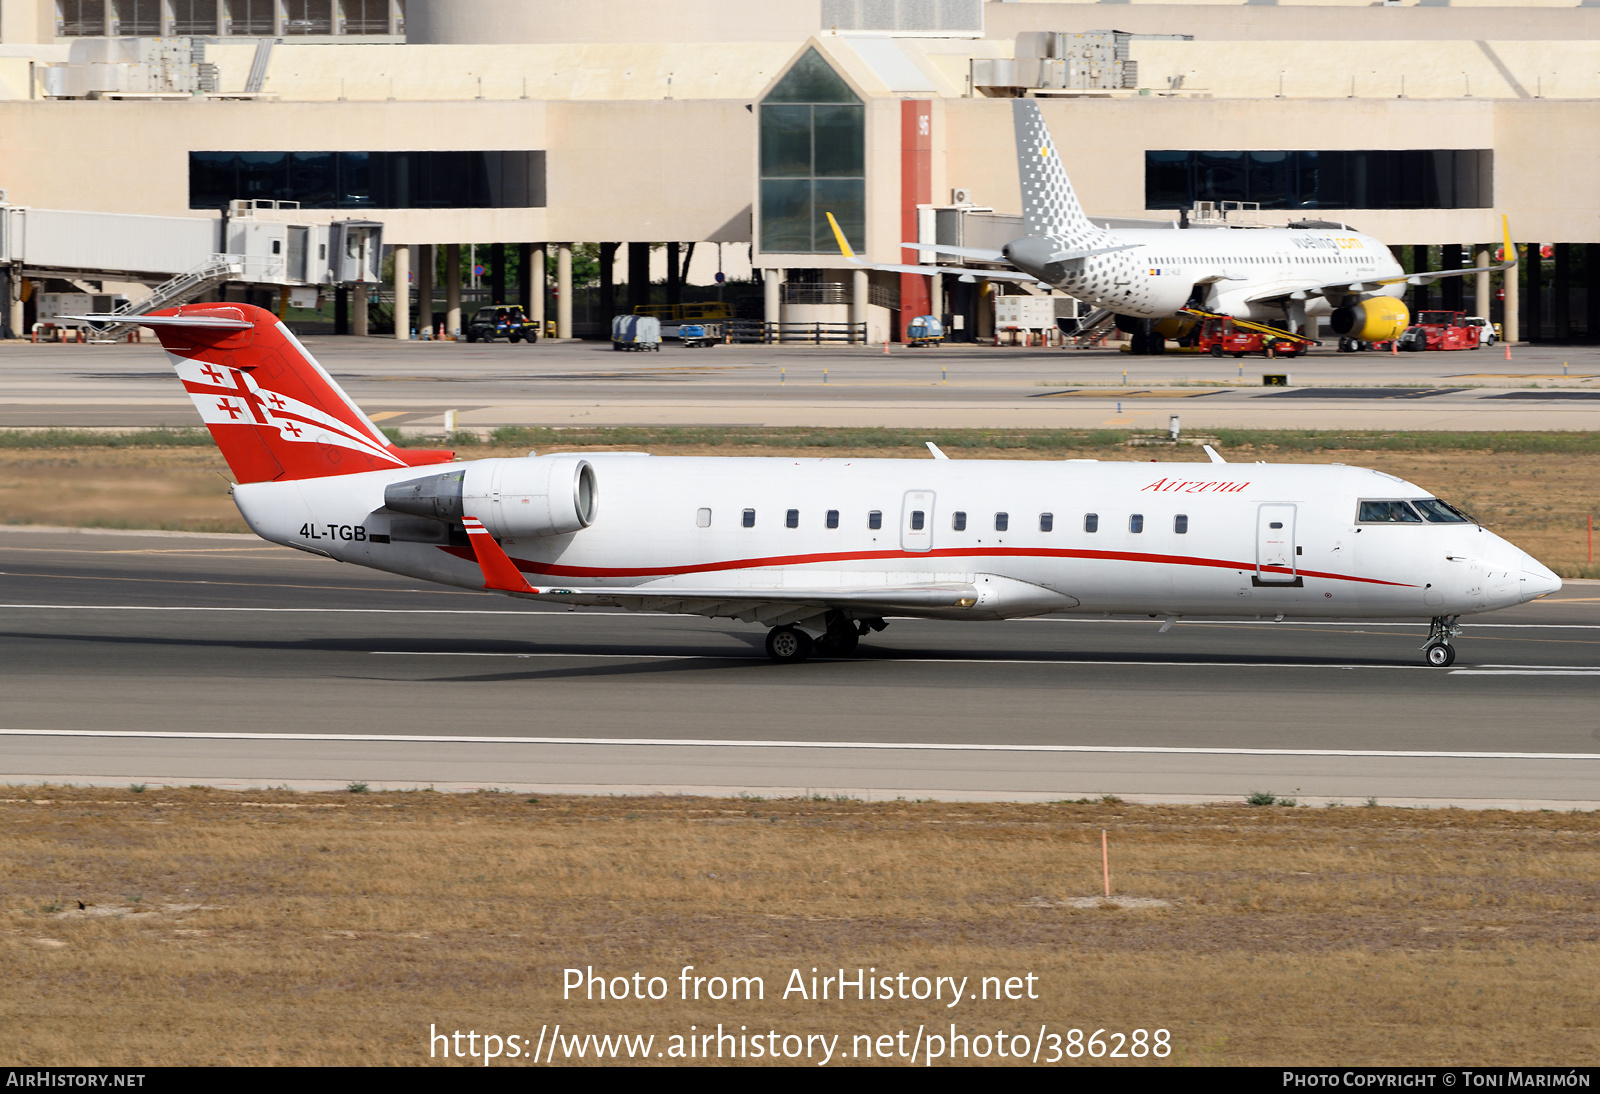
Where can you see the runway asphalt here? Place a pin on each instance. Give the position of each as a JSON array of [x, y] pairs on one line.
[[139, 657], [411, 385]]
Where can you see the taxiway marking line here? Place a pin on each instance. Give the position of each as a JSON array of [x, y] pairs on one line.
[[1525, 672], [891, 746]]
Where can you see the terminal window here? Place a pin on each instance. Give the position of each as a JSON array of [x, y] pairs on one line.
[[370, 180], [1413, 178], [813, 142]]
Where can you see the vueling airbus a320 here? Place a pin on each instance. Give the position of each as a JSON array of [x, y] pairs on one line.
[[1153, 279], [824, 551]]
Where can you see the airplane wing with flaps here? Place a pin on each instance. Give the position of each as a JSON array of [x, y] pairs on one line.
[[976, 595]]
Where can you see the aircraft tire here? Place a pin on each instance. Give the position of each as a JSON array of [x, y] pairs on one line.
[[1440, 655], [788, 645]]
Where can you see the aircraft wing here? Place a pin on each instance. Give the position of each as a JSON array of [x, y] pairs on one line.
[[768, 605]]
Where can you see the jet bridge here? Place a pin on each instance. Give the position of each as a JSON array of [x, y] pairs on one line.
[[181, 258]]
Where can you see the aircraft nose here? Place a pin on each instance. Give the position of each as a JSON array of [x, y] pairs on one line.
[[1537, 580]]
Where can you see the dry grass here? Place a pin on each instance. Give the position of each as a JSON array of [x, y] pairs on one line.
[[1538, 500], [269, 927]]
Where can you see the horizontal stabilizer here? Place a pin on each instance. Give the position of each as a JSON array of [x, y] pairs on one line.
[[982, 254], [1070, 256], [212, 322]]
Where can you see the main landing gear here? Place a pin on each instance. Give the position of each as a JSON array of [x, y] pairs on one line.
[[1437, 650], [791, 645]]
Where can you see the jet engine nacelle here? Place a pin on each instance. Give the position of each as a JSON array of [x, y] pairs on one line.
[[537, 496], [1375, 319]]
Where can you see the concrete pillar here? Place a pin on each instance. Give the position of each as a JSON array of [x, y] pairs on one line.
[[564, 290], [936, 296], [860, 294], [358, 311], [1482, 301], [425, 266], [1312, 328], [452, 290], [533, 283], [1511, 320], [771, 301], [402, 293]]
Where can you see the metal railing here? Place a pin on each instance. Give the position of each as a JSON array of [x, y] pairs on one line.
[[186, 286], [754, 331]]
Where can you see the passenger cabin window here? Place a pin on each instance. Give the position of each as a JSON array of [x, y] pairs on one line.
[[791, 519], [1180, 524], [833, 518], [1438, 512], [702, 518], [1002, 521], [918, 519], [875, 520], [749, 518], [958, 521], [1136, 522], [1047, 522], [1387, 512], [1091, 522]]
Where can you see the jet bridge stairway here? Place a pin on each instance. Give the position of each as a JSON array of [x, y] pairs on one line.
[[179, 290], [1091, 328]]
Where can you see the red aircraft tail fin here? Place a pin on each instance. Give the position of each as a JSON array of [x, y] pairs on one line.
[[274, 411]]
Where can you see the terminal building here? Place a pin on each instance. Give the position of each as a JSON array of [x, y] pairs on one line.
[[659, 145]]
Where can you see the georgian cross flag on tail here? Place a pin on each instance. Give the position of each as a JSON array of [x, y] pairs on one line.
[[274, 411]]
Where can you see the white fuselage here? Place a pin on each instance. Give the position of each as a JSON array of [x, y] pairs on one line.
[[661, 520], [1245, 273]]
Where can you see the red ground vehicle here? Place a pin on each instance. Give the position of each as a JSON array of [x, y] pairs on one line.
[[1440, 330], [1220, 336]]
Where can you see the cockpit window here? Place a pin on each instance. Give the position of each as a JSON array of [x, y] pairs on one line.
[[1435, 511], [1387, 512]]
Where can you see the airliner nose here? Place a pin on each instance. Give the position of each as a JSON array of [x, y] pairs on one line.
[[1537, 580]]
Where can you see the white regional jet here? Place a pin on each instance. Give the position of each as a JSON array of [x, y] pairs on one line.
[[1145, 276], [824, 550]]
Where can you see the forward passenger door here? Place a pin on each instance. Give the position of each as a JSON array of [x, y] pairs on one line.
[[1275, 545]]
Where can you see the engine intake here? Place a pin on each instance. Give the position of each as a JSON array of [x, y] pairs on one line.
[[1375, 319]]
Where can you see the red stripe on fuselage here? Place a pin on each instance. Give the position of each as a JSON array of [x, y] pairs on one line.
[[552, 569]]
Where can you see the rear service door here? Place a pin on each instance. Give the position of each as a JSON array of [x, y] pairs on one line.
[[1275, 545], [916, 521]]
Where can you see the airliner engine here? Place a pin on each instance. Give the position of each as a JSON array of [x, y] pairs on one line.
[[539, 496], [1375, 319]]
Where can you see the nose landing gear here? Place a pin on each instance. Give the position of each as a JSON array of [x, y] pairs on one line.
[[1437, 650]]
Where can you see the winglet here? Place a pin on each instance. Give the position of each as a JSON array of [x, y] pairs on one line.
[[937, 454], [844, 246], [1211, 453], [499, 572], [1511, 248]]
